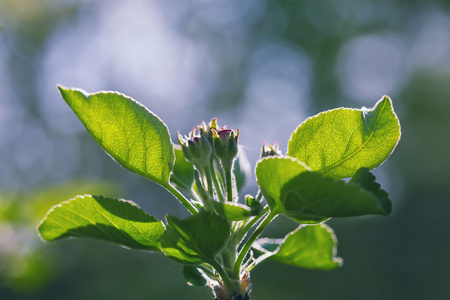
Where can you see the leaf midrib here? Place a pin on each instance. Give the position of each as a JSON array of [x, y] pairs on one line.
[[110, 221], [357, 150]]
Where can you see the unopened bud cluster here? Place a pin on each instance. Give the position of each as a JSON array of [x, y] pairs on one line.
[[209, 141], [196, 148]]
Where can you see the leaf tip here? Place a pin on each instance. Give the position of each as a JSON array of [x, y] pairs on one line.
[[65, 91], [385, 99], [60, 87]]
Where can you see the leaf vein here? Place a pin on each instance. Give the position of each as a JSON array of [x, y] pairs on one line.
[[323, 170], [90, 221]]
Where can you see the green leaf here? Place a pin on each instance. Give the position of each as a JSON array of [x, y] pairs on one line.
[[242, 170], [117, 221], [272, 173], [197, 239], [366, 180], [193, 276], [309, 197], [134, 136], [309, 246], [338, 142], [234, 211], [314, 197], [183, 171]]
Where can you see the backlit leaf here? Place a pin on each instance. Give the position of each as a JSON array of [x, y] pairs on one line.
[[134, 136], [117, 221], [242, 170], [309, 246], [197, 239], [309, 197], [235, 211], [183, 171], [272, 173], [338, 142]]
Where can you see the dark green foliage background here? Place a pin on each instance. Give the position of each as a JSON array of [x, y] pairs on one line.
[[403, 256]]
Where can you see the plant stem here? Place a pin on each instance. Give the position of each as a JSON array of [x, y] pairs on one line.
[[204, 195], [220, 172], [207, 174], [216, 182], [259, 196], [226, 280], [250, 241], [229, 184], [181, 198], [248, 224], [255, 220]]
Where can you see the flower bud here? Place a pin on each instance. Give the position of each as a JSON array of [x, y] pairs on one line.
[[269, 150], [196, 148], [205, 129], [225, 144]]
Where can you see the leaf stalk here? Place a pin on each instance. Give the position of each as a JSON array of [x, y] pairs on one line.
[[237, 266], [191, 208]]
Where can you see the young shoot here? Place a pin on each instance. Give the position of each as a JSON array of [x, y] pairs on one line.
[[219, 244]]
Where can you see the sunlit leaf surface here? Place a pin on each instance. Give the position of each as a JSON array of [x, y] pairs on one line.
[[338, 142], [235, 211], [183, 171], [309, 246], [196, 239], [312, 197], [134, 136], [117, 221]]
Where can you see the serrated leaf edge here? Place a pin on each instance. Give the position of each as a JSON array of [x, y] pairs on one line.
[[61, 204], [364, 110], [268, 254], [87, 95], [280, 157]]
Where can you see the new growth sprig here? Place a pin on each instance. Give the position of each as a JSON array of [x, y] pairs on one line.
[[219, 244], [212, 151]]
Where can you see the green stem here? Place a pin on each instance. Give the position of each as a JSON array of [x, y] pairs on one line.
[[204, 196], [248, 224], [255, 220], [220, 170], [250, 241], [207, 174], [216, 182], [181, 198], [225, 279], [259, 196], [229, 184]]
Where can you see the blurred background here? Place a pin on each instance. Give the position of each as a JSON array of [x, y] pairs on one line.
[[258, 65]]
